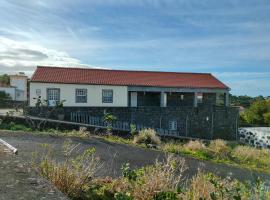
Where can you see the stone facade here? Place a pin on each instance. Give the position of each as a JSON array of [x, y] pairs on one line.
[[180, 99], [206, 122], [258, 137]]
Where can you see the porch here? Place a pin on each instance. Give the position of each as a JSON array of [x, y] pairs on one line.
[[176, 97]]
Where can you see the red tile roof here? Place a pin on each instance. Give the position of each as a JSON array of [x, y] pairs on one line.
[[125, 78]]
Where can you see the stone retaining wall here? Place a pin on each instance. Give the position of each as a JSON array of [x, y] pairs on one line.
[[255, 136], [206, 122]]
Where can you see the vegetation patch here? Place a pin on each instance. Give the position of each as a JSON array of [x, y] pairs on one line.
[[217, 150], [147, 137], [76, 177]]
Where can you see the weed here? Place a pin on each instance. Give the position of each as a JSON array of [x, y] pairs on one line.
[[74, 174], [220, 149], [147, 136]]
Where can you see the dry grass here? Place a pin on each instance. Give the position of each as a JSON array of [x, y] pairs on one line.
[[247, 154], [147, 136], [194, 146], [162, 176], [72, 175], [220, 149], [199, 188]]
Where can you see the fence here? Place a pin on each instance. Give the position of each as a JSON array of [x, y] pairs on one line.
[[85, 118]]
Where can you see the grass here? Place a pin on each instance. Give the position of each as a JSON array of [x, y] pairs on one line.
[[147, 137], [73, 174]]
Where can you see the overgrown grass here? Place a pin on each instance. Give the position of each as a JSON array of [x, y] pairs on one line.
[[147, 137], [223, 152], [217, 150], [72, 175], [75, 176]]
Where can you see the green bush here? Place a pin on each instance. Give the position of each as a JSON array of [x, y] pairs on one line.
[[14, 127], [122, 196], [169, 195], [147, 136]]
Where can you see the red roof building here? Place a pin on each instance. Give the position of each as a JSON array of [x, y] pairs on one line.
[[126, 78], [121, 88]]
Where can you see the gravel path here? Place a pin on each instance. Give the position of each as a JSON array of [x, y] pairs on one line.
[[19, 181], [114, 155]]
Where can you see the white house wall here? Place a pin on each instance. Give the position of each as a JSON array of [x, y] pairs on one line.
[[94, 94]]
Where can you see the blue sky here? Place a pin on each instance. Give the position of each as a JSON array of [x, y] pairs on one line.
[[229, 38]]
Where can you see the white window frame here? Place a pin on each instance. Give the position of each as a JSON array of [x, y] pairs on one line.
[[80, 93], [173, 125], [54, 96], [38, 92], [182, 96], [199, 97], [107, 96]]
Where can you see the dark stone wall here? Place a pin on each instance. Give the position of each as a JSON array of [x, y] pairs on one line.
[[209, 99], [174, 99], [148, 99], [206, 122]]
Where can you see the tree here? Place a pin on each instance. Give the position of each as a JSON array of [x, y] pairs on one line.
[[266, 117], [258, 113], [244, 101], [5, 79], [4, 98]]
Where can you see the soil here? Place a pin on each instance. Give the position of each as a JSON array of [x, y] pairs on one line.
[[19, 181]]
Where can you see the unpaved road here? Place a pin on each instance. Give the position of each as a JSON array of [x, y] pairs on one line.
[[114, 155], [19, 181]]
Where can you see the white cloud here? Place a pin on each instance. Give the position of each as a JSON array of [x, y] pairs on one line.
[[21, 56]]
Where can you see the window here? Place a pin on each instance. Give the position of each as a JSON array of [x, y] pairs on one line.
[[107, 96], [199, 98], [81, 95], [182, 97], [38, 92], [53, 96], [173, 125]]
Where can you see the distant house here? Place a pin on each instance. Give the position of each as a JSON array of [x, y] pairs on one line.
[[118, 88], [185, 104], [17, 89]]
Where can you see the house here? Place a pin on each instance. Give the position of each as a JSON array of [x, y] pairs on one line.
[[145, 97], [116, 88], [17, 89]]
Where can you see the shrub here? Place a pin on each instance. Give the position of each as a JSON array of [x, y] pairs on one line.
[[147, 136], [220, 149], [172, 147], [247, 154], [71, 176], [152, 180], [195, 146], [133, 129], [209, 186], [160, 177], [14, 127]]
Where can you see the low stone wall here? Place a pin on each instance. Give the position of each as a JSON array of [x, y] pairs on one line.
[[255, 136], [206, 122]]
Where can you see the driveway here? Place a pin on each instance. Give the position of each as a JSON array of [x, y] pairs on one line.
[[19, 181], [114, 155]]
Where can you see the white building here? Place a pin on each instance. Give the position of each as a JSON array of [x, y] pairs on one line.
[[120, 88], [17, 89]]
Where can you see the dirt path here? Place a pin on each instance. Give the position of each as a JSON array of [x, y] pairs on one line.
[[19, 181], [114, 155]]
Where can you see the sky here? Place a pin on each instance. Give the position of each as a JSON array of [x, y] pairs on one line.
[[228, 38]]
